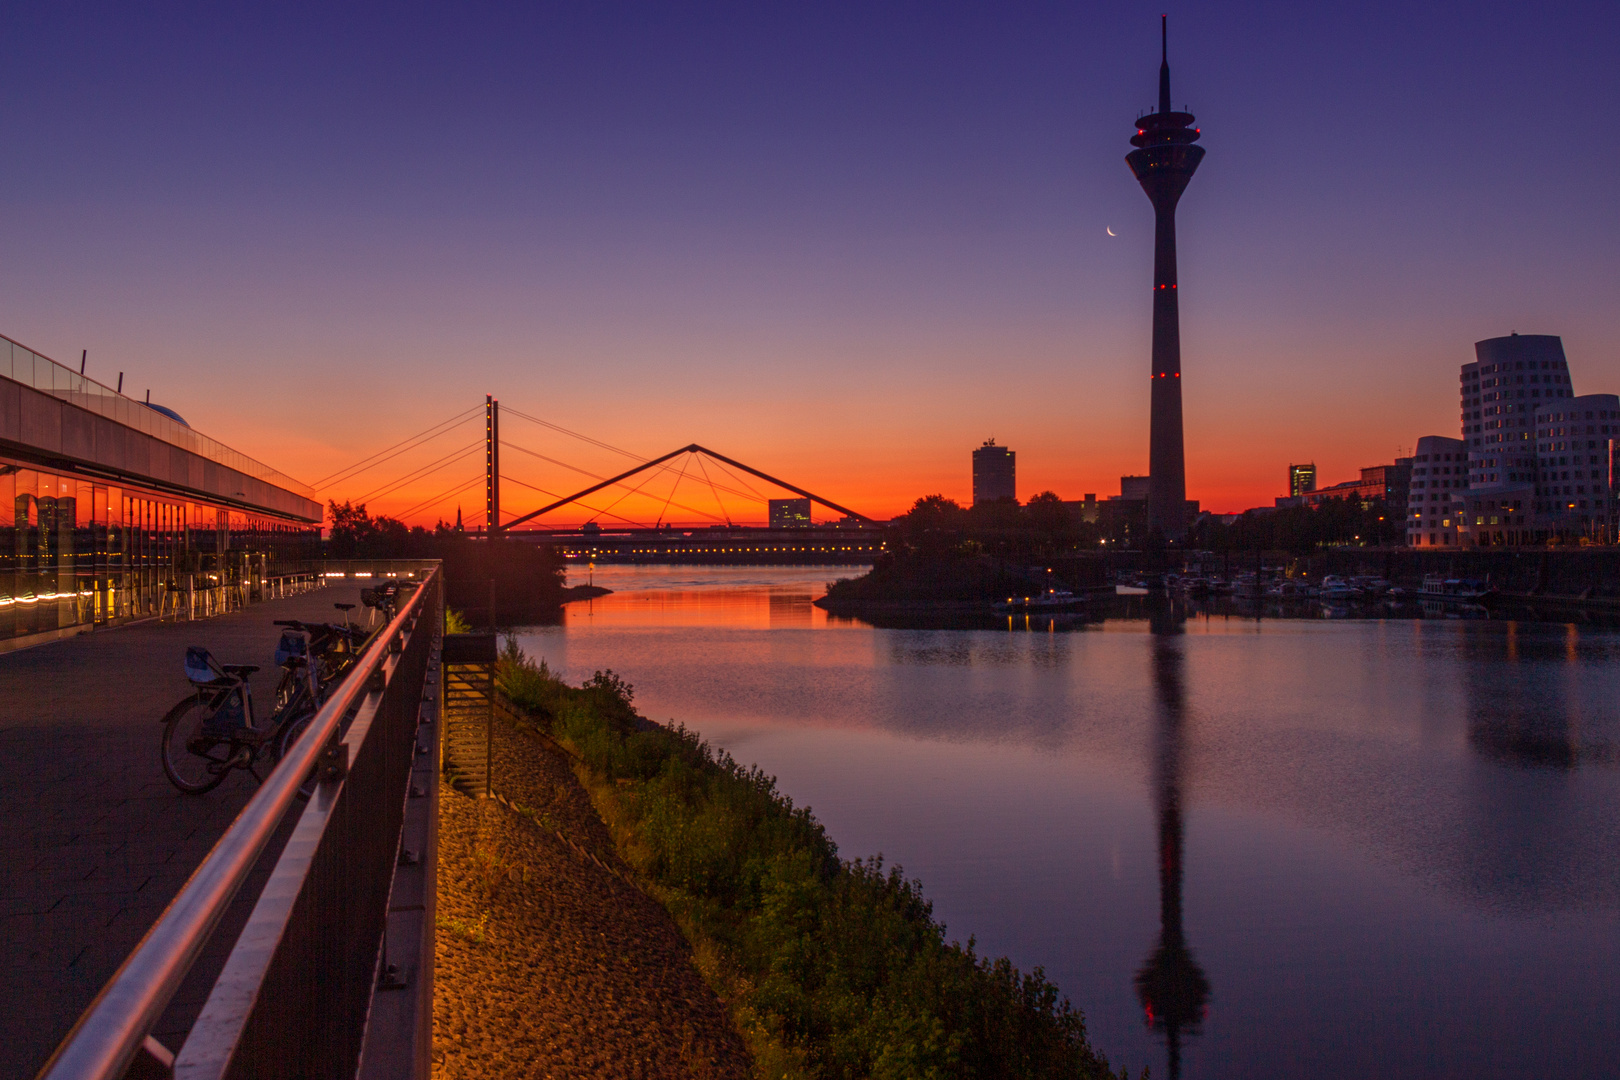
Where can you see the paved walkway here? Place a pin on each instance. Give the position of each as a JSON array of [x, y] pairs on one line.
[[97, 842]]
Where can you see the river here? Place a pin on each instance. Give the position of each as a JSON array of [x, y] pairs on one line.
[[1290, 848]]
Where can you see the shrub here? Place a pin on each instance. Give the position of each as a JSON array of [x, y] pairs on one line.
[[832, 968]]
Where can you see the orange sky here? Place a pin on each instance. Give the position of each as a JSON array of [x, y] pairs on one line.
[[844, 258]]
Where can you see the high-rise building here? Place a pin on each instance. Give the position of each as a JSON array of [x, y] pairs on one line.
[[1511, 377], [789, 513], [1164, 161], [1301, 478], [994, 473], [1135, 487], [1435, 497], [1574, 488]]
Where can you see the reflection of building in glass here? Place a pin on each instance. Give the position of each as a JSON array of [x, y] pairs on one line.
[[1301, 478], [1172, 987], [994, 473], [790, 513], [1434, 502], [117, 509]]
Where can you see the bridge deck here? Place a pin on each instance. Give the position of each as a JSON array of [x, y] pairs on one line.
[[97, 842]]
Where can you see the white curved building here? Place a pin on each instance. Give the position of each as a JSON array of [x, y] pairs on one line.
[[1434, 502], [1574, 442]]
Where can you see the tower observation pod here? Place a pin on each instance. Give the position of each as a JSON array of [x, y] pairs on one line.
[[1164, 161]]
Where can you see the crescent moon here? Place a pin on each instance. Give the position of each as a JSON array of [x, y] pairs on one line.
[[1109, 231]]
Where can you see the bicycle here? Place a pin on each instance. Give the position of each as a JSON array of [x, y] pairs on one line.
[[336, 648], [212, 731]]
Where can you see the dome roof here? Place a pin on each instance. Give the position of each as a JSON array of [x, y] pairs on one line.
[[170, 413]]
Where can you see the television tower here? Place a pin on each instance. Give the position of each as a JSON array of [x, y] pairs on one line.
[[1163, 161]]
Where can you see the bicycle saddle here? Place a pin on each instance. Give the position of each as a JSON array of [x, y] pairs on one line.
[[344, 607]]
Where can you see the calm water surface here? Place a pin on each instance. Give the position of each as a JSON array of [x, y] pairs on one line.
[[1311, 849]]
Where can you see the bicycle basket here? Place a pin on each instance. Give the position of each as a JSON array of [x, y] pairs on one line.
[[294, 645], [230, 716], [200, 665]]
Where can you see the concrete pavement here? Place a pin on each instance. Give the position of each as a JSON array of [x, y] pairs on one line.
[[95, 840]]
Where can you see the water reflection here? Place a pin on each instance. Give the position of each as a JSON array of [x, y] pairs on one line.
[[1521, 710], [1411, 820], [1173, 989]]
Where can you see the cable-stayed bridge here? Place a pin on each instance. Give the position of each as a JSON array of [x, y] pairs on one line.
[[692, 504]]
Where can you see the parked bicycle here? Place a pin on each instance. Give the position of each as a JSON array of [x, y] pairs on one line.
[[336, 648], [213, 730]]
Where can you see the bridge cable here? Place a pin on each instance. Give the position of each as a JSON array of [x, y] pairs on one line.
[[712, 488], [618, 450], [417, 474], [550, 460], [572, 434], [722, 467], [366, 463], [594, 476], [554, 495], [456, 490], [665, 508], [651, 476]]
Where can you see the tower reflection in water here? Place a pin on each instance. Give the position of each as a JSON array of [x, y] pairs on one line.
[[1173, 989]]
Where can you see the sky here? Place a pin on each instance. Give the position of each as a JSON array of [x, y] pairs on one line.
[[842, 243]]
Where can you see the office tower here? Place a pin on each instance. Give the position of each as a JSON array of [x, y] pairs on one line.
[[1164, 161], [1301, 478], [1510, 378], [789, 513], [994, 473]]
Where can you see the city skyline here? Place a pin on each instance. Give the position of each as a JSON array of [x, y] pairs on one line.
[[308, 238]]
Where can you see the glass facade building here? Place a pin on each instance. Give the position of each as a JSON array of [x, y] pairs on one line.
[[117, 512]]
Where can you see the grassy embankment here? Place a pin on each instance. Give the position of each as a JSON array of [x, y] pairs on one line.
[[830, 967]]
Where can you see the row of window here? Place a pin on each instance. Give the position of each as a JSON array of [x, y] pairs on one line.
[[75, 551]]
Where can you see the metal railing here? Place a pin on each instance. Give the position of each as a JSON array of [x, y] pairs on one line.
[[295, 994], [21, 364]]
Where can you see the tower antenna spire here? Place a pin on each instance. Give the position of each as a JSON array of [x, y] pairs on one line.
[[1164, 63], [1166, 155]]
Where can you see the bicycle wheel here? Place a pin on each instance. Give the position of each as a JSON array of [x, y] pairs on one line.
[[290, 735], [194, 761]]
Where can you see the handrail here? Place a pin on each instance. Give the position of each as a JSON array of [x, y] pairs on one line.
[[61, 381], [106, 1038]]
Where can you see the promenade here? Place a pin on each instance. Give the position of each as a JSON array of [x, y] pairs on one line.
[[96, 841]]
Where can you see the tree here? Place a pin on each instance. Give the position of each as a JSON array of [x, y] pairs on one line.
[[1048, 514]]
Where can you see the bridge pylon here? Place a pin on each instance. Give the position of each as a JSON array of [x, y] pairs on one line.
[[492, 466]]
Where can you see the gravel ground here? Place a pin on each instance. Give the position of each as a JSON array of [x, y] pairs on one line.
[[549, 963]]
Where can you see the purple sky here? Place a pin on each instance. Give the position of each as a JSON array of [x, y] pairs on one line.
[[844, 244]]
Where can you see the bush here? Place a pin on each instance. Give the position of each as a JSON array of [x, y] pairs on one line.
[[832, 968]]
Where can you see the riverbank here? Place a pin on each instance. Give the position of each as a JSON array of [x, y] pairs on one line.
[[549, 961], [827, 967], [583, 592]]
